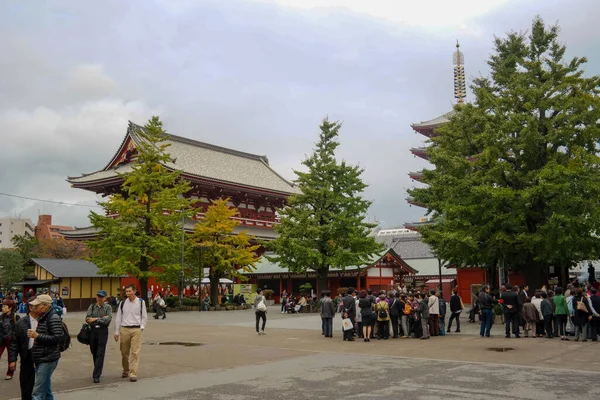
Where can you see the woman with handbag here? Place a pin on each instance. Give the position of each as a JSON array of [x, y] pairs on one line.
[[456, 308], [581, 314], [260, 310]]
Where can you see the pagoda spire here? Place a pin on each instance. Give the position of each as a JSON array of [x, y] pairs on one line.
[[460, 91]]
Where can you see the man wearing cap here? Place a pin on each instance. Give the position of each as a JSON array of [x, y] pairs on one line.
[[45, 351], [99, 315]]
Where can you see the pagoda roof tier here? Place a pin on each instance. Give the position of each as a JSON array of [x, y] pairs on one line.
[[197, 161], [413, 202], [415, 226], [420, 152], [264, 232], [417, 176], [427, 128]]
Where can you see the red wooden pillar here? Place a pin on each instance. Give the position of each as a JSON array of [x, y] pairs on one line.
[[358, 281], [280, 286]]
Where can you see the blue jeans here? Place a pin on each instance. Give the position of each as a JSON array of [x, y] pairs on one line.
[[328, 326], [486, 322], [42, 388]]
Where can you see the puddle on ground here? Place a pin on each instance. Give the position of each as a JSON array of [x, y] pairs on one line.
[[500, 349], [185, 344]]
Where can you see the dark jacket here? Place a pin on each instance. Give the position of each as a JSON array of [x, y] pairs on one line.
[[423, 309], [595, 300], [7, 324], [522, 296], [455, 304], [442, 307], [327, 308], [19, 344], [581, 317], [485, 301], [349, 305], [510, 299], [45, 347], [546, 308], [396, 306]]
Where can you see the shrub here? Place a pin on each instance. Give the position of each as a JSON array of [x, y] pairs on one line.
[[268, 293], [172, 301], [190, 302]]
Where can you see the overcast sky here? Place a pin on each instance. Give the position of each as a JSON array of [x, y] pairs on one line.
[[256, 76]]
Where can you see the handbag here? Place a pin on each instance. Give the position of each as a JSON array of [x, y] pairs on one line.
[[261, 305], [83, 336], [347, 324], [581, 305]]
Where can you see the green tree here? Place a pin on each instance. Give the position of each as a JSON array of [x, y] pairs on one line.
[[226, 253], [516, 179], [325, 226], [27, 246], [11, 267], [144, 240]]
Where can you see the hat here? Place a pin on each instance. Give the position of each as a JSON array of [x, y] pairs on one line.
[[102, 293], [41, 299], [258, 290]]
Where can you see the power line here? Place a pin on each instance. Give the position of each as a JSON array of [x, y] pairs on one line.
[[50, 201]]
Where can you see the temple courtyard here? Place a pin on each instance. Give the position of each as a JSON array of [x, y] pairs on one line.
[[225, 359]]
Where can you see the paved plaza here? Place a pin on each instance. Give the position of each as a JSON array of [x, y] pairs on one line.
[[229, 361]]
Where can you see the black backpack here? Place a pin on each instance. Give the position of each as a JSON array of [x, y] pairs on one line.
[[382, 312], [65, 341]]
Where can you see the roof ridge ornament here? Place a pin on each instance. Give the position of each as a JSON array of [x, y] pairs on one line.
[[460, 91]]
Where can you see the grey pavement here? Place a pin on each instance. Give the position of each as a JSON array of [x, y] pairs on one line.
[[294, 360], [350, 376]]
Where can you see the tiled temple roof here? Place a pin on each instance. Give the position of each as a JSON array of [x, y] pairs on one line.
[[202, 160]]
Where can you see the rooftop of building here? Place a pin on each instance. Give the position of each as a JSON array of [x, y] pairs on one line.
[[201, 160]]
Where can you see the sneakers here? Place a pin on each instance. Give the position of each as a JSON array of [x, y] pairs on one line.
[[125, 375], [261, 333], [133, 378]]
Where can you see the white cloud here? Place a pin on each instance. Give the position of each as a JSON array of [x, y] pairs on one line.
[[91, 80], [425, 13]]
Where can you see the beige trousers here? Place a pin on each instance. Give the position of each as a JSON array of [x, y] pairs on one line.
[[131, 344]]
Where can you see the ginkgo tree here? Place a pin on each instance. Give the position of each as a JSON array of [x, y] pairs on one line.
[[218, 247], [143, 241]]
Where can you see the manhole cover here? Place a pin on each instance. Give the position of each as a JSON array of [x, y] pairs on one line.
[[185, 344], [500, 349]]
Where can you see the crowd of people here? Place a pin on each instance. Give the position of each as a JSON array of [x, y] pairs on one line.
[[548, 313], [39, 338], [394, 314]]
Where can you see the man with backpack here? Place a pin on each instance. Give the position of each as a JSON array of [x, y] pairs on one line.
[[129, 324], [45, 351]]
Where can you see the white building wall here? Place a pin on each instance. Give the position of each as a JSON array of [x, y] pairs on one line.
[[10, 227]]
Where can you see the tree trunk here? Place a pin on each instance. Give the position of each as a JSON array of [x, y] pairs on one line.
[[322, 281], [214, 290], [536, 274], [144, 289]]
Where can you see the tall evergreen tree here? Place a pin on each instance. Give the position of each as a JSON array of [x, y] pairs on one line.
[[218, 248], [325, 226], [516, 179], [144, 240]]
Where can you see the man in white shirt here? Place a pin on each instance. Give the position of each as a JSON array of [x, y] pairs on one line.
[[129, 324], [20, 346]]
